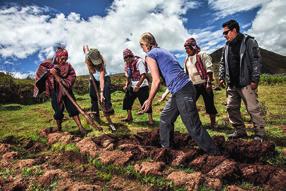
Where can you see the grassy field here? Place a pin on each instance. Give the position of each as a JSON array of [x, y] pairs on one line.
[[27, 120]]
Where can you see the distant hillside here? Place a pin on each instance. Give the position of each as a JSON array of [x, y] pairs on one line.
[[272, 63]]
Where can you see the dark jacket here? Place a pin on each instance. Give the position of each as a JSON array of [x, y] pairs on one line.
[[250, 62]]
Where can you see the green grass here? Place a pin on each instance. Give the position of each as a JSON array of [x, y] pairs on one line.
[[27, 120]]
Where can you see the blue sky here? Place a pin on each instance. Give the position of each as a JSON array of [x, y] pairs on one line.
[[30, 29]]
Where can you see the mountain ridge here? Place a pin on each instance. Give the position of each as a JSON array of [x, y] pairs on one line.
[[272, 63]]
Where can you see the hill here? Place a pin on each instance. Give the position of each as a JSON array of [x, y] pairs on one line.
[[272, 63]]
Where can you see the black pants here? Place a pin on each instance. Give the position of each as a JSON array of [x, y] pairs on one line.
[[130, 97], [208, 98], [107, 95], [62, 104]]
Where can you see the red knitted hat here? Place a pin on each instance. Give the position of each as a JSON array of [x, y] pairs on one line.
[[62, 52], [191, 42], [127, 53]]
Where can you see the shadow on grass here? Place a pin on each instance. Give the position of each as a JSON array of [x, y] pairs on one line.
[[121, 129], [10, 108], [220, 128], [279, 141], [9, 139], [146, 124]]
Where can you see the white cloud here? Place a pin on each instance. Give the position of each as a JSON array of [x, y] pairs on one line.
[[269, 26], [28, 30], [226, 7]]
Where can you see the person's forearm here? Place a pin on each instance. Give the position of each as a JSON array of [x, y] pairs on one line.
[[127, 82], [209, 76], [101, 81], [154, 88], [142, 78]]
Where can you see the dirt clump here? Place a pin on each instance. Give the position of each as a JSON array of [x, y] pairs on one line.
[[163, 154], [37, 147], [213, 183], [119, 183], [4, 148], [183, 158], [15, 184], [24, 163], [50, 175], [154, 168], [234, 188], [70, 185], [277, 181], [198, 162], [67, 157], [182, 141], [219, 141], [250, 152], [211, 163], [256, 174], [87, 146], [191, 181], [149, 138], [64, 138], [10, 155], [227, 170], [138, 151], [115, 157]]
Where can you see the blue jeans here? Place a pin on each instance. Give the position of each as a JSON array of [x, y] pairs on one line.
[[107, 95], [183, 103]]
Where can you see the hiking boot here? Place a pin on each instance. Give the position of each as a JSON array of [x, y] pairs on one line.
[[237, 134]]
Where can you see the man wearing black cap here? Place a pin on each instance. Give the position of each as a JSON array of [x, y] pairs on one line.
[[240, 68]]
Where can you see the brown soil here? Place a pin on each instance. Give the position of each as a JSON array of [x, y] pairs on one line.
[[241, 161]]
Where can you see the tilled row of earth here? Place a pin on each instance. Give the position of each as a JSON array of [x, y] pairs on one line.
[[30, 165]]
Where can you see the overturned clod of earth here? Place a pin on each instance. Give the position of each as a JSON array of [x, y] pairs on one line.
[[94, 162]]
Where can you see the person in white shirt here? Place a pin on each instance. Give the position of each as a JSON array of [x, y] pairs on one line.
[[137, 85], [198, 65]]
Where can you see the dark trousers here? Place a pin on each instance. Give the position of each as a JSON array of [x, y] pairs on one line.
[[59, 107], [208, 98], [108, 110], [183, 103], [130, 97]]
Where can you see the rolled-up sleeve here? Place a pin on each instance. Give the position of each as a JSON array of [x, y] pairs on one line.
[[207, 61]]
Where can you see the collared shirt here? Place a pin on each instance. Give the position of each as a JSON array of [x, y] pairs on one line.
[[192, 70]]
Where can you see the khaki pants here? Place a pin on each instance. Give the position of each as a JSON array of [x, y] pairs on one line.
[[249, 97]]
